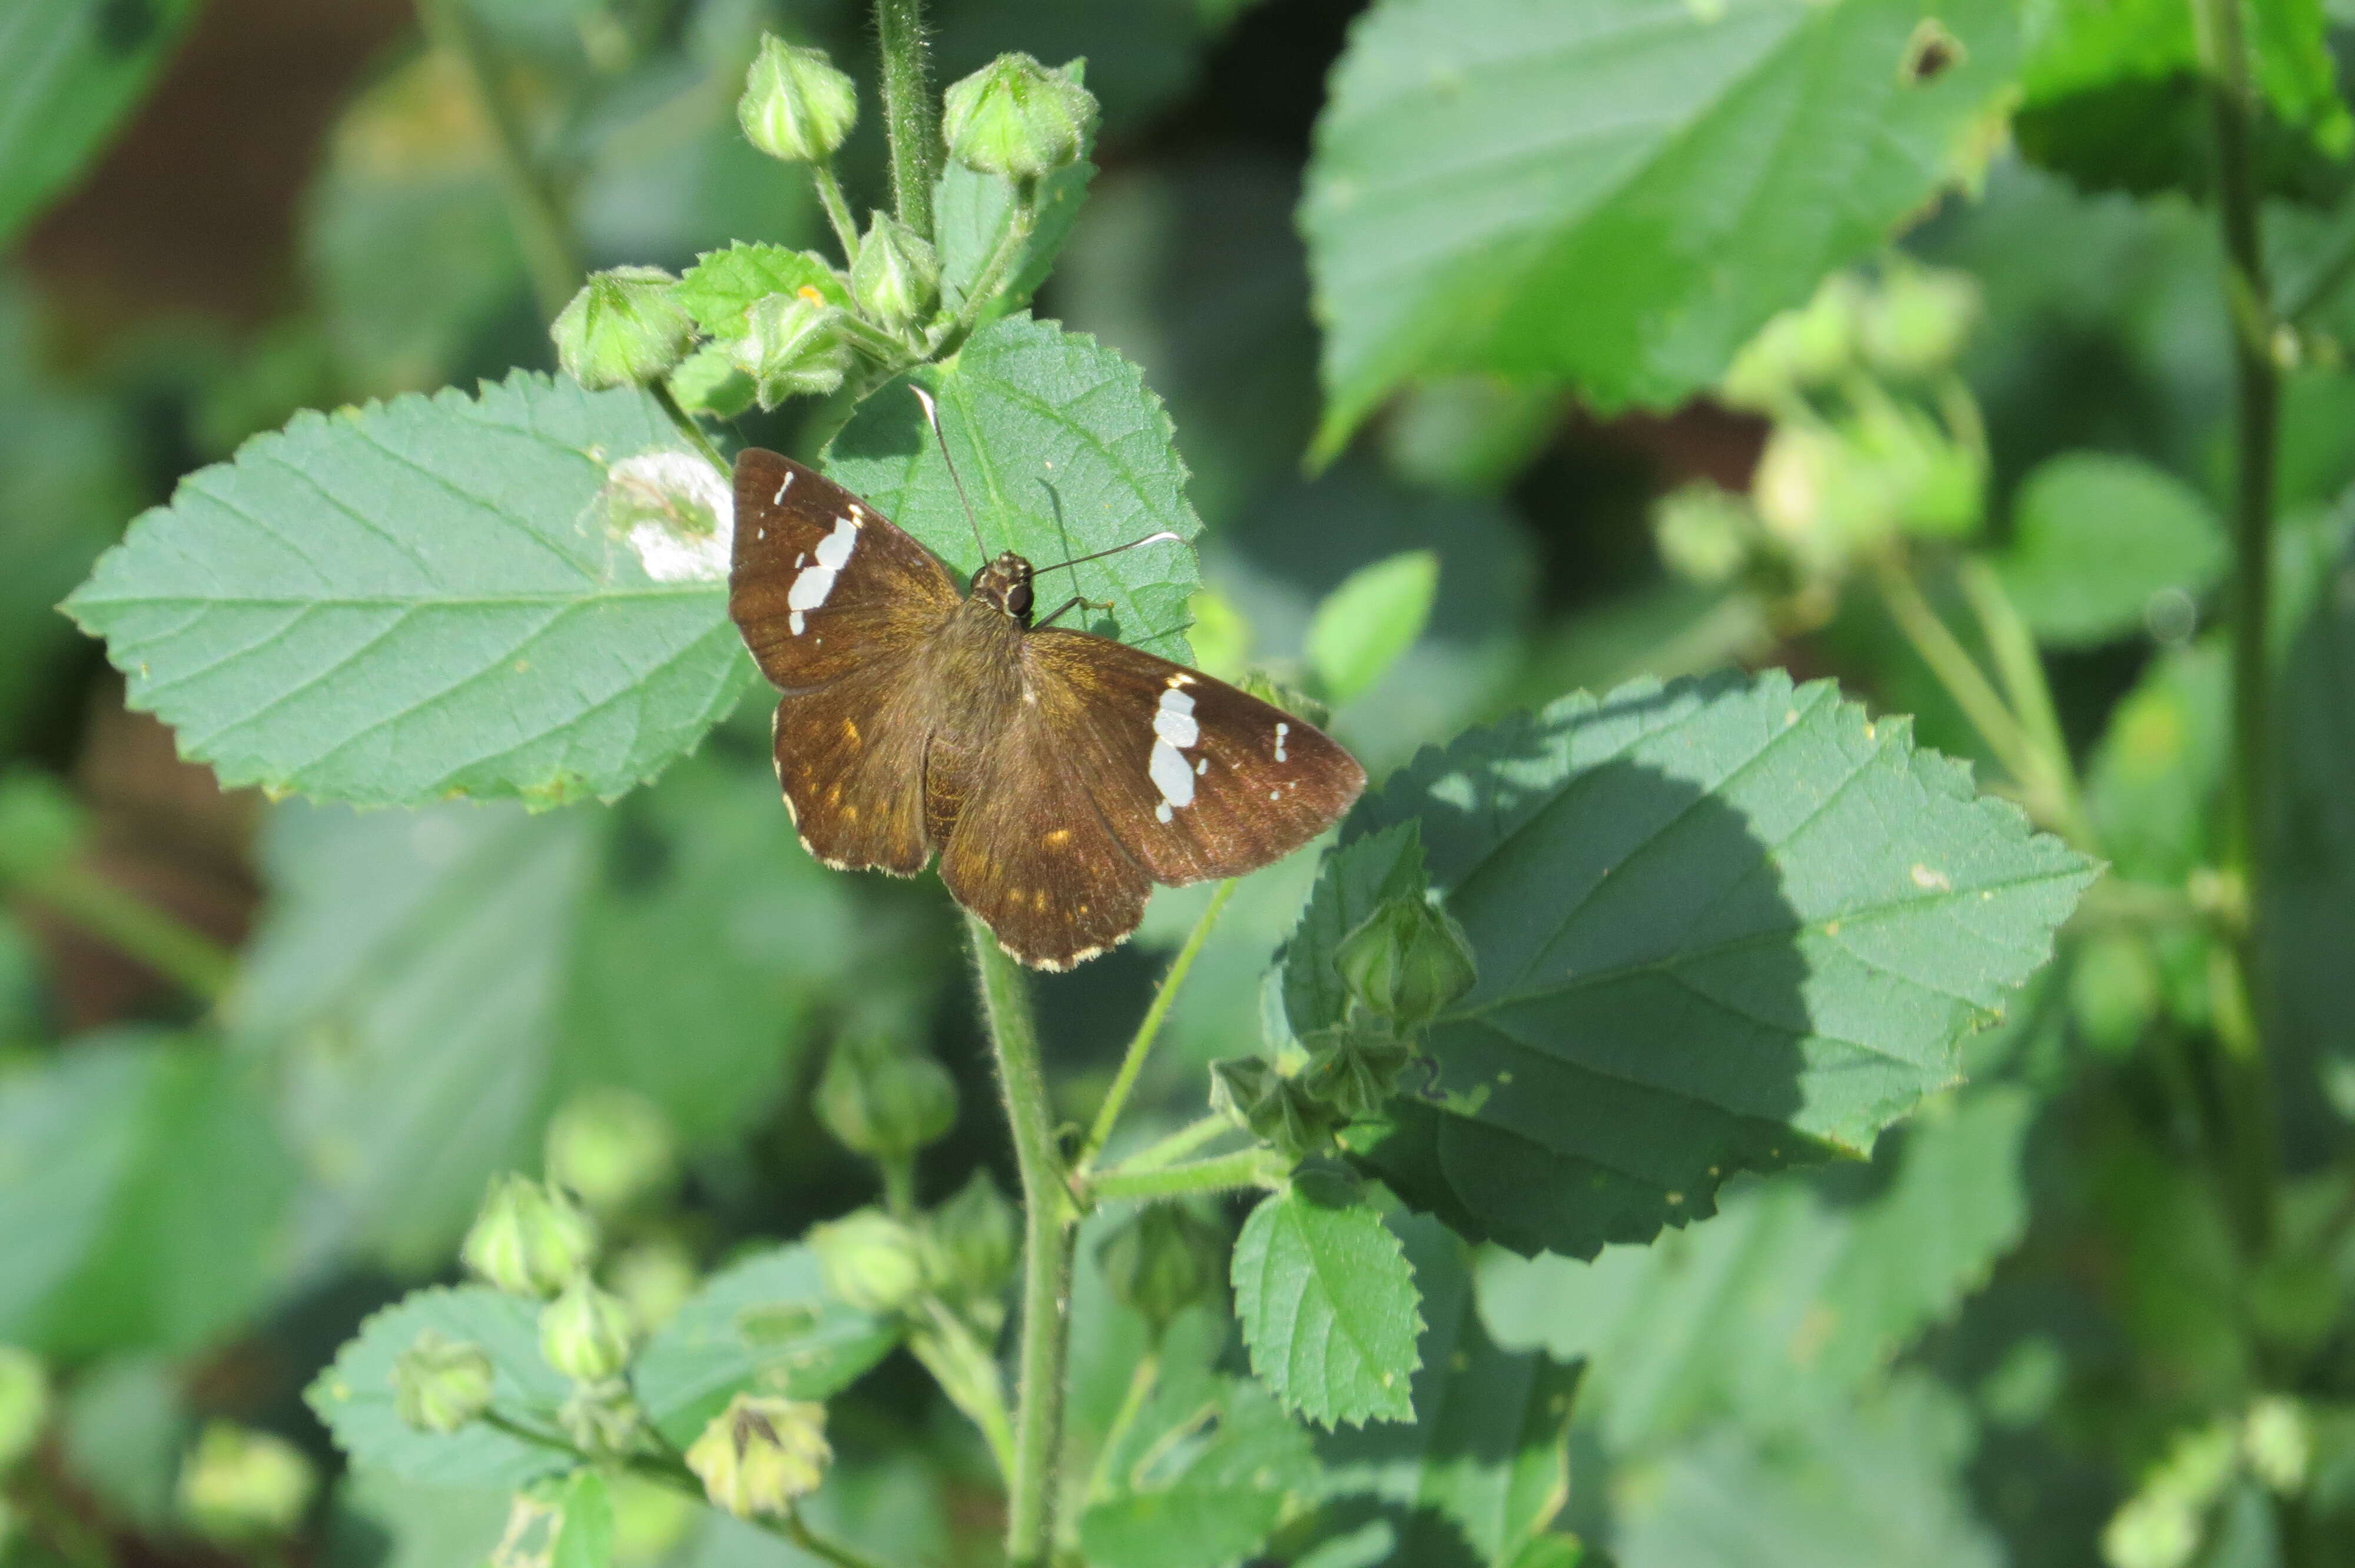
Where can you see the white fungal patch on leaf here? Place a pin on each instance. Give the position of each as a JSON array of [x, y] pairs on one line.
[[1174, 729], [675, 511], [814, 582]]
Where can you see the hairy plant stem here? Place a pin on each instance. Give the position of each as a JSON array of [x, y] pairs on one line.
[[910, 120], [186, 957], [1178, 1144], [1021, 222], [838, 210], [686, 426], [2020, 668], [541, 230], [1140, 1045], [1140, 1387], [1259, 1167], [1049, 1233], [1959, 674], [2249, 1156], [968, 1373]]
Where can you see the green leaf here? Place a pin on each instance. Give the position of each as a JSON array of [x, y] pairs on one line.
[[354, 1396], [1720, 924], [144, 1191], [1328, 1304], [2310, 920], [76, 68], [1202, 1481], [969, 214], [1064, 453], [1857, 1488], [2096, 538], [434, 983], [766, 1325], [2152, 781], [1373, 617], [1617, 193], [1795, 1296], [723, 284], [384, 1521], [584, 1537], [126, 1427], [2114, 95], [425, 598], [1484, 1468]]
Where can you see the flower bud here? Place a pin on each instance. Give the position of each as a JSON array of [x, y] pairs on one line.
[[1406, 962], [622, 329], [1280, 1110], [2279, 1442], [882, 1101], [789, 348], [612, 1147], [1797, 349], [1237, 1085], [1354, 1070], [870, 1260], [974, 1240], [440, 1384], [1703, 534], [655, 1277], [24, 1403], [602, 1418], [241, 1486], [587, 1333], [529, 1239], [796, 106], [897, 278], [1162, 1262], [1016, 119], [1915, 325], [761, 1454]]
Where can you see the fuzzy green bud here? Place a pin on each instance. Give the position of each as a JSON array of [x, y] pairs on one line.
[[1407, 961], [1703, 534], [1354, 1070], [2278, 1439], [440, 1384], [1280, 1110], [897, 278], [974, 1240], [882, 1101], [240, 1485], [761, 1454], [790, 348], [529, 1239], [24, 1403], [1162, 1262], [1016, 119], [602, 1418], [587, 1333], [1800, 348], [1915, 323], [870, 1260], [796, 106], [1239, 1083], [612, 1147], [622, 329]]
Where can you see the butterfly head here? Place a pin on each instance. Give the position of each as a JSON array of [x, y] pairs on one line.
[[1005, 585]]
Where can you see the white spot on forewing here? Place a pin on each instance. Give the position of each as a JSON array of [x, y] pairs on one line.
[[1280, 731], [675, 511], [1173, 727], [783, 485], [814, 582], [1173, 720]]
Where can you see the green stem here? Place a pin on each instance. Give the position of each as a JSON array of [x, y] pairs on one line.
[[967, 1372], [540, 228], [817, 1546], [189, 959], [891, 354], [687, 425], [2250, 1173], [1177, 1145], [838, 211], [1260, 1167], [910, 122], [899, 1173], [1141, 1044], [1956, 670], [1049, 1237], [1140, 1388], [2020, 668]]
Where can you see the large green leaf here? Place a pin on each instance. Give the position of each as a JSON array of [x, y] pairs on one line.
[[143, 1195], [1326, 1300], [2096, 537], [431, 597], [1203, 1477], [1798, 1292], [76, 68], [1064, 452], [1483, 1468], [1719, 925], [434, 981], [766, 1324], [2310, 917], [354, 1396], [1619, 192]]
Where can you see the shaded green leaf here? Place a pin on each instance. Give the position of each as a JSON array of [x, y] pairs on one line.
[[76, 68], [1720, 924], [765, 1325], [143, 1193], [424, 598], [1794, 1296], [2152, 782], [723, 284], [969, 214], [1201, 1481], [2095, 538], [126, 1425], [1619, 193], [584, 1536], [1375, 615], [1064, 452], [1484, 1468], [379, 1520], [354, 1396], [1328, 1300]]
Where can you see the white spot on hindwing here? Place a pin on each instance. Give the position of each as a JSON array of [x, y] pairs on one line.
[[814, 581], [1174, 729], [1280, 731]]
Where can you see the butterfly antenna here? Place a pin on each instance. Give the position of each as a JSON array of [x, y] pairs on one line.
[[1116, 550], [932, 417]]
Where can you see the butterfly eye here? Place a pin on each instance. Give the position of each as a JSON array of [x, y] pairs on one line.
[[1018, 599]]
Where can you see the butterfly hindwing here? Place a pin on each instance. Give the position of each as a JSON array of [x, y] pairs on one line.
[[850, 759], [823, 585]]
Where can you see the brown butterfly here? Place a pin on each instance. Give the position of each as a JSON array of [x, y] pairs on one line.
[[1058, 775]]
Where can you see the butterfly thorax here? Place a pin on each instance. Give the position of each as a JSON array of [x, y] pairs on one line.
[[1003, 584]]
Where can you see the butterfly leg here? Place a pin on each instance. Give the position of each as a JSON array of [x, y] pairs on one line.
[[1074, 601]]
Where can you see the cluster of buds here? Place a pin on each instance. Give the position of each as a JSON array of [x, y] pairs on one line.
[[1162, 1261], [761, 1455], [884, 1100]]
